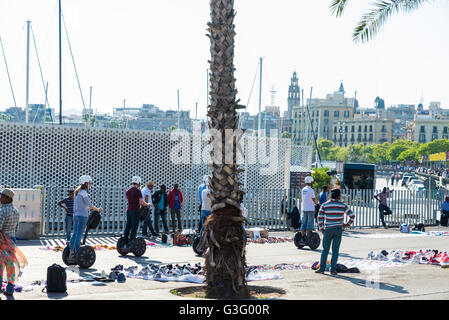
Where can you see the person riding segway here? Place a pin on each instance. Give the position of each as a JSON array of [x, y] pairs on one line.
[[129, 242], [85, 256], [306, 236], [74, 253]]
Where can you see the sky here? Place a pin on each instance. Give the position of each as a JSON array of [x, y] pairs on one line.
[[143, 51]]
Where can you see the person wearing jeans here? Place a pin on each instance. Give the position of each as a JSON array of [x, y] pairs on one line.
[[308, 208], [147, 196], [81, 207], [331, 222], [160, 201], [175, 199], [135, 200], [67, 205]]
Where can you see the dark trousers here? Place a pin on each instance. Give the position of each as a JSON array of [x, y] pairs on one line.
[[132, 224], [176, 212], [160, 214], [333, 236], [147, 224], [382, 209]]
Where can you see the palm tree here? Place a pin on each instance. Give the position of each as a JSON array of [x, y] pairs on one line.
[[372, 21], [225, 235]]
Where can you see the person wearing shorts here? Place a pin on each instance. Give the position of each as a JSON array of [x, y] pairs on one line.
[[308, 207]]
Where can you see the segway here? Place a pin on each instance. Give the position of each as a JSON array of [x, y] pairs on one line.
[[313, 243], [85, 256], [138, 247], [195, 243]]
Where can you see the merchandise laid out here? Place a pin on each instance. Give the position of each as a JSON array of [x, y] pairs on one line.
[[270, 240], [433, 257]]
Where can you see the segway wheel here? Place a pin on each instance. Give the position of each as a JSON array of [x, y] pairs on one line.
[[120, 249], [195, 243], [85, 257], [65, 256], [315, 240], [298, 240], [139, 246]]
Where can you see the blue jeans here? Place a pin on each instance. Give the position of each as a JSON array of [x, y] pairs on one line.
[[79, 227], [204, 215], [132, 224], [68, 226], [332, 235], [158, 213], [308, 218]]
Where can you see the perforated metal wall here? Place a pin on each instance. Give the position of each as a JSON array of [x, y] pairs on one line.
[[56, 156]]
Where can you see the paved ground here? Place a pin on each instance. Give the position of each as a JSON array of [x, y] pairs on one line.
[[409, 282]]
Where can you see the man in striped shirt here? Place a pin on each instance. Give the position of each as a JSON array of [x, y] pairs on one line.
[[331, 221]]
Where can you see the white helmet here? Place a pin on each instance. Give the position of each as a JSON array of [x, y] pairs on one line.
[[308, 179], [206, 179], [85, 179], [136, 179]]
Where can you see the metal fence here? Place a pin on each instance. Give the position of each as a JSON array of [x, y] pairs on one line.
[[264, 208]]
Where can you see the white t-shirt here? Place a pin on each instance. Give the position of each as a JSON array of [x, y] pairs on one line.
[[307, 195], [244, 210], [147, 192], [207, 202]]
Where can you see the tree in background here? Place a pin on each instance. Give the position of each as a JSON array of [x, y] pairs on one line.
[[286, 135], [436, 146], [357, 152], [321, 178], [372, 21]]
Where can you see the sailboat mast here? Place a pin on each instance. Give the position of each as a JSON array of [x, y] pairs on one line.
[[27, 94], [60, 66]]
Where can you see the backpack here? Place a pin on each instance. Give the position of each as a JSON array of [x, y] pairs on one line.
[[94, 220], [56, 279]]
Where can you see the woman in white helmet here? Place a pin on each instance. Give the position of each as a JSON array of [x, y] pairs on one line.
[[81, 207]]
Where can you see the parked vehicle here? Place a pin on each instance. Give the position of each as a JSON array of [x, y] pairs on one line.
[[405, 178]]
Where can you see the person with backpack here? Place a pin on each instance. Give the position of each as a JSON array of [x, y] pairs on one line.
[[331, 223], [11, 258], [175, 200], [160, 201], [135, 200], [81, 207], [67, 205]]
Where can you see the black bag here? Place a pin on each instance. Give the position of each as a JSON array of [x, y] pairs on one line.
[[419, 227], [144, 212], [56, 279], [94, 220]]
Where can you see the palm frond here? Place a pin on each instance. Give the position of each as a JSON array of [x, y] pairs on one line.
[[371, 22], [338, 6]]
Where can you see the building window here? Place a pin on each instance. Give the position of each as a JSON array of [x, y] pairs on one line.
[[371, 137], [423, 129], [384, 129], [435, 129], [326, 121], [365, 129], [352, 128], [346, 129], [434, 137], [360, 128], [359, 137], [422, 138], [335, 129], [445, 130], [346, 114], [352, 138], [336, 114], [370, 128], [326, 113]]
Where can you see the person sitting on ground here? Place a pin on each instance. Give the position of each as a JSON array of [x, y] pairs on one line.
[[67, 205], [81, 207], [308, 208], [383, 207], [135, 200], [331, 223], [11, 258]]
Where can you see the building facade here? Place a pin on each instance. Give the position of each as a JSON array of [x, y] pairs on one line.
[[362, 130], [426, 128]]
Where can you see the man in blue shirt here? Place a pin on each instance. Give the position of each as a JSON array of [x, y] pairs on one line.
[[323, 196], [67, 205], [445, 212]]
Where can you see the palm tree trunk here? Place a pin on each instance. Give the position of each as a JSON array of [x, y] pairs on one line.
[[226, 239]]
